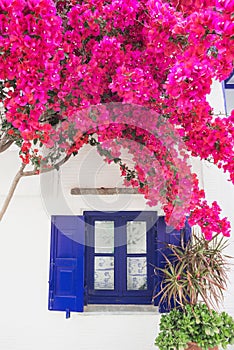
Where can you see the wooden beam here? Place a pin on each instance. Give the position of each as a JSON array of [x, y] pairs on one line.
[[103, 191]]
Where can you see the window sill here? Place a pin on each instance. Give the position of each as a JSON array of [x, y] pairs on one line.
[[104, 309]]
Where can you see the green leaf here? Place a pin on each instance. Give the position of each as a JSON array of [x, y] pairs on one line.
[[181, 347]]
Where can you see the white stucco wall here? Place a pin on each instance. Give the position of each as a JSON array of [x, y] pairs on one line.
[[25, 322]]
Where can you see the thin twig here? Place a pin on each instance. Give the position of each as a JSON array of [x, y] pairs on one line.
[[46, 170]]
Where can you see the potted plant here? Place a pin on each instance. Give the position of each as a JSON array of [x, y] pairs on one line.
[[193, 281], [196, 327]]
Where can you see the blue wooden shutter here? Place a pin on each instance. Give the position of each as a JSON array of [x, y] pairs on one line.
[[66, 283], [167, 235]]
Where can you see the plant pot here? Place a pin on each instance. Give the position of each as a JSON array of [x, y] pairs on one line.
[[194, 346]]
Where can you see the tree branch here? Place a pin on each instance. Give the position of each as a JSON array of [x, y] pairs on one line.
[[21, 173], [12, 190], [5, 146], [46, 170]]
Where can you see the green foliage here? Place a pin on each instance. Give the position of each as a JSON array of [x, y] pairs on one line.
[[197, 324], [195, 271], [193, 281]]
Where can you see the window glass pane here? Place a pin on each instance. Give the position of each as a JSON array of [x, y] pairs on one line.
[[136, 237], [104, 272], [104, 236], [136, 273]]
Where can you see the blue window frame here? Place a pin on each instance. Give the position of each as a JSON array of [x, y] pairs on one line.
[[136, 242], [229, 82], [120, 257]]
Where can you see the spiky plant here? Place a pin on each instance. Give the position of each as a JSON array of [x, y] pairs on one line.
[[195, 271]]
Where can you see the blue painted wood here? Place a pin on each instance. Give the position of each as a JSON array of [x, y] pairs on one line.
[[227, 83], [67, 286], [167, 235], [66, 281], [120, 294]]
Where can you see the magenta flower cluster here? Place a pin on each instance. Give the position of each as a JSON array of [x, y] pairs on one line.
[[148, 65]]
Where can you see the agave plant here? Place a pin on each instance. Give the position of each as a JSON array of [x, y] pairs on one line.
[[195, 271]]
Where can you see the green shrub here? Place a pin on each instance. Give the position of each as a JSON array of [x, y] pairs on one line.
[[197, 324]]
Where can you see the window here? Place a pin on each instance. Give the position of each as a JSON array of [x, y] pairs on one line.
[[228, 93], [120, 257], [107, 258]]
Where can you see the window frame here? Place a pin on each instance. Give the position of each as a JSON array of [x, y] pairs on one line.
[[120, 294]]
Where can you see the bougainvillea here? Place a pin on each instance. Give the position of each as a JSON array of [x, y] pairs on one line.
[[122, 74]]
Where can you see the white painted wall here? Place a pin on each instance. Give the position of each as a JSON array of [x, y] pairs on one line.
[[25, 322]]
